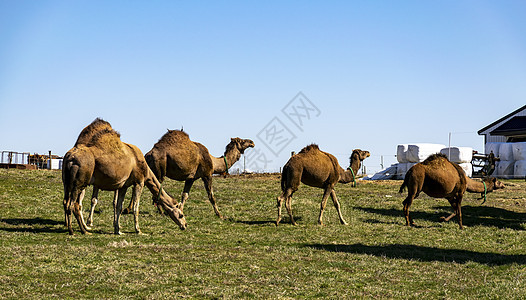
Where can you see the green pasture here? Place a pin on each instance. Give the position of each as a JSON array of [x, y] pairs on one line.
[[247, 256]]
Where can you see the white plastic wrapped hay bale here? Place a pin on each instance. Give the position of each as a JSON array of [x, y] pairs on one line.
[[519, 169], [419, 152], [493, 147], [402, 168], [458, 155], [505, 169], [401, 153], [468, 168], [519, 151], [506, 152], [385, 174]]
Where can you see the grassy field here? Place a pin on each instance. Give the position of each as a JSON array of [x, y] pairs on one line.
[[247, 256]]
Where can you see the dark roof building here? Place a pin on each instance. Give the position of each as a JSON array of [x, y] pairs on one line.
[[510, 128]]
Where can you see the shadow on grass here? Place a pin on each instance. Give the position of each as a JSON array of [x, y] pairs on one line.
[[35, 225], [471, 216], [420, 253], [267, 222], [491, 216]]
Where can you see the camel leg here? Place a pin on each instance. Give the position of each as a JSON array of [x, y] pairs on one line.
[[279, 202], [208, 187], [455, 203], [337, 206], [94, 201], [288, 205], [77, 196], [326, 194], [81, 197], [407, 203], [66, 202], [67, 210], [136, 197], [446, 219], [118, 199], [186, 192], [129, 209]]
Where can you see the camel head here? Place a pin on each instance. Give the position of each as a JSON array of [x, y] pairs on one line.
[[360, 155], [173, 210], [497, 184], [241, 144], [178, 217]]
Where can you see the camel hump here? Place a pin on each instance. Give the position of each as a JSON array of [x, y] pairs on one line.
[[174, 137], [100, 122], [89, 131], [434, 157], [311, 147], [106, 139]]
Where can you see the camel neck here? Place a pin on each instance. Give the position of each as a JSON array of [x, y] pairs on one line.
[[475, 186], [349, 175], [156, 188], [221, 164], [355, 165], [231, 156]]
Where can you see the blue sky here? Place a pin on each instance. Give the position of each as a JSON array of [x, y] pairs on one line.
[[379, 73]]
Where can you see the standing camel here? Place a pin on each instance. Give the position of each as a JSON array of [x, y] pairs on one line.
[[320, 169], [177, 157], [84, 138], [439, 178], [109, 164]]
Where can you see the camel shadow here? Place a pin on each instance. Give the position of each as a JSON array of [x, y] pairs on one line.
[[265, 222], [471, 216], [392, 212], [491, 216], [422, 253], [34, 225]]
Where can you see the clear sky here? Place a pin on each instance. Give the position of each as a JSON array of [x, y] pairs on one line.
[[373, 74]]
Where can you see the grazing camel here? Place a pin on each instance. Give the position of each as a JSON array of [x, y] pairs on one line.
[[109, 164], [487, 185], [320, 169], [177, 157], [439, 178]]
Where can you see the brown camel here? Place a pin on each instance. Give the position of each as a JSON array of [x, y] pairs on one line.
[[439, 178], [109, 164], [487, 185], [320, 169], [177, 157], [84, 138]]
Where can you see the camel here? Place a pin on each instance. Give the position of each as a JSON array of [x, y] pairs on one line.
[[177, 157], [439, 178], [109, 164], [319, 169], [84, 138], [487, 185]]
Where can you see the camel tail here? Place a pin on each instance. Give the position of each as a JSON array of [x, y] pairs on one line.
[[284, 176], [402, 187], [404, 184], [69, 173]]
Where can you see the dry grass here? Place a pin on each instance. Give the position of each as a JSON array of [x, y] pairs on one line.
[[247, 256]]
